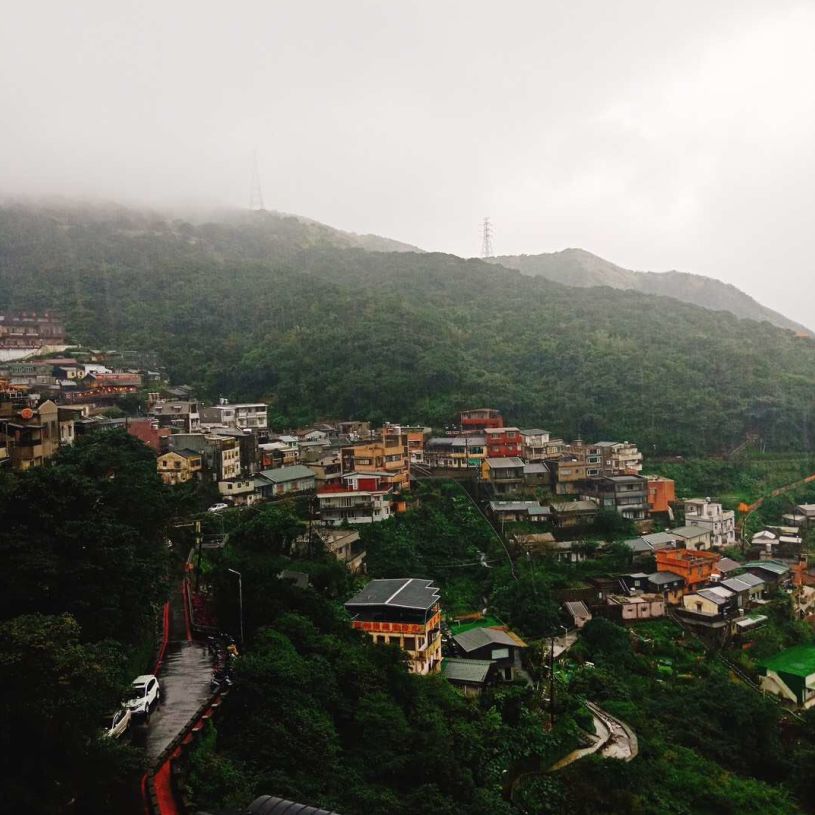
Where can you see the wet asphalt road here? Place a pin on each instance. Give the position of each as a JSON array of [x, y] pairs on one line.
[[184, 679]]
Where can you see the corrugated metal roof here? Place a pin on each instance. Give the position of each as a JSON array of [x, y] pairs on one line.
[[283, 474], [270, 805], [479, 637], [403, 592], [689, 531], [475, 671]]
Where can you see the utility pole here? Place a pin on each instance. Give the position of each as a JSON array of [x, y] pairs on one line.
[[552, 679], [198, 546], [240, 599], [486, 239]]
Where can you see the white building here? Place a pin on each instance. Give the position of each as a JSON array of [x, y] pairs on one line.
[[710, 515], [535, 444], [240, 490], [363, 499], [246, 415]]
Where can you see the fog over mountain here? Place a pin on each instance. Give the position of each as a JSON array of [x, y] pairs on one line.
[[662, 136]]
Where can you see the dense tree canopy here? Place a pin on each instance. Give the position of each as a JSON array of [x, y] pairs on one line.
[[84, 572], [272, 307]]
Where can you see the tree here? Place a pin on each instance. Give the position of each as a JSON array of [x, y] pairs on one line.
[[57, 692]]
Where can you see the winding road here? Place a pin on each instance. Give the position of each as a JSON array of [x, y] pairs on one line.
[[613, 739]]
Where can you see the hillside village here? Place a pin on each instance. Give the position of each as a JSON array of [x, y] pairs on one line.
[[546, 498]]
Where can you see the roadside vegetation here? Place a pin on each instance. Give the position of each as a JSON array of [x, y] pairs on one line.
[[84, 573]]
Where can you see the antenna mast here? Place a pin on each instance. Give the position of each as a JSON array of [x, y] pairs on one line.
[[255, 192], [486, 241]]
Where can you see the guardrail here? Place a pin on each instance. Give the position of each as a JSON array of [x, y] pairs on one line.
[[160, 786]]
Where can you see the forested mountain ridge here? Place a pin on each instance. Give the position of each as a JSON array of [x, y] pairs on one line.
[[576, 267], [266, 310]]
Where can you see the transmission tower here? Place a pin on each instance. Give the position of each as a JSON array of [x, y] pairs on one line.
[[486, 241], [255, 192]]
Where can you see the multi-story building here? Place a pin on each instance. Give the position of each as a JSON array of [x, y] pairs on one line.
[[278, 454], [480, 419], [504, 475], [182, 415], [535, 445], [363, 498], [619, 458], [578, 462], [455, 452], [247, 444], [415, 437], [692, 537], [709, 515], [386, 455], [244, 415], [221, 454], [32, 435], [66, 426], [405, 612], [327, 470], [555, 448], [626, 494], [30, 329], [240, 491], [179, 466], [504, 442], [345, 545], [694, 567], [661, 494]]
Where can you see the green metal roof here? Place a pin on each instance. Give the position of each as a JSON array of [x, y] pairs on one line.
[[484, 622], [796, 661]]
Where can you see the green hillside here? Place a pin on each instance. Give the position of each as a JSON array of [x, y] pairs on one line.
[[269, 306], [576, 267]]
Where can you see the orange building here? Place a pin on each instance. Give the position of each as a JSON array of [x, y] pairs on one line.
[[692, 565], [403, 612], [661, 493]]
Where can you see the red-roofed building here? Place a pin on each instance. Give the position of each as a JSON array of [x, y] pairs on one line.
[[150, 433]]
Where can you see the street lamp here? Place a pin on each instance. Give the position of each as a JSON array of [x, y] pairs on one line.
[[240, 599]]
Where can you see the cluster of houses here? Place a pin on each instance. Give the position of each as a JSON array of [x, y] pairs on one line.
[[719, 597], [512, 461], [46, 402]]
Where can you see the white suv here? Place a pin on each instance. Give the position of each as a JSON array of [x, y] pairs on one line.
[[144, 695]]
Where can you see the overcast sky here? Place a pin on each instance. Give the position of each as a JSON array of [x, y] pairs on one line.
[[658, 135]]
